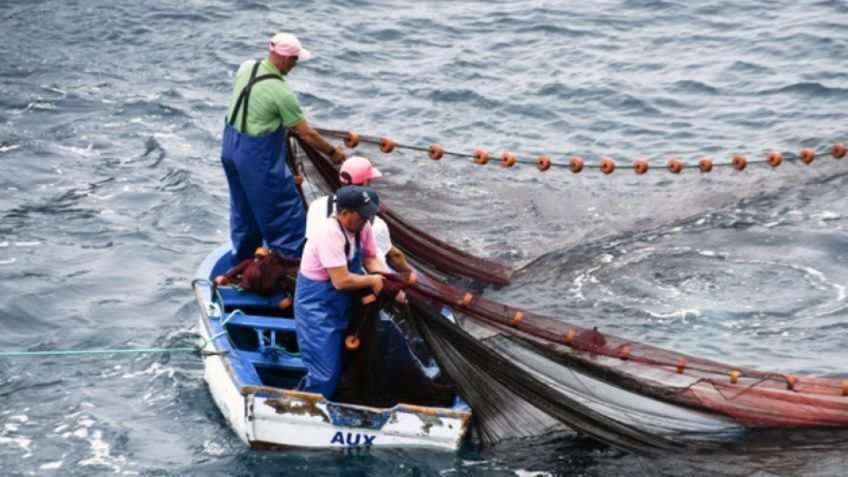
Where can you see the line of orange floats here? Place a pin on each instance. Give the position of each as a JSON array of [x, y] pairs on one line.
[[577, 164]]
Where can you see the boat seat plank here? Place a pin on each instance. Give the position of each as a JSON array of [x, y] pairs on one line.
[[263, 322], [236, 299], [253, 357]]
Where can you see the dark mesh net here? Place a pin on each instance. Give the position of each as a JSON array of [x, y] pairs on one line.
[[523, 371]]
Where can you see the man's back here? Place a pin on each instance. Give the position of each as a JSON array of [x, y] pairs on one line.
[[272, 101]]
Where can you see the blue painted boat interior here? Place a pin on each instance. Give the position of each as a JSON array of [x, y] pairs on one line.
[[262, 345]]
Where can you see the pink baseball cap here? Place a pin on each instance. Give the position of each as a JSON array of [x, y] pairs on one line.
[[286, 44], [356, 170]]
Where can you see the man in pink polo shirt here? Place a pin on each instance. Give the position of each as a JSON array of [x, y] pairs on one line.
[[358, 170], [329, 272]]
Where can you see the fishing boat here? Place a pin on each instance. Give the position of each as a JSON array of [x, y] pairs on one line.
[[252, 368]]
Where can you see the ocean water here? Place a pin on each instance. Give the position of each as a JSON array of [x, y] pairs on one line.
[[111, 193]]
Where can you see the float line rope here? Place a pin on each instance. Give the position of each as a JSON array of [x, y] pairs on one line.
[[576, 164]]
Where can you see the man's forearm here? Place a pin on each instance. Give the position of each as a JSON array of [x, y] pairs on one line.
[[311, 137], [373, 265]]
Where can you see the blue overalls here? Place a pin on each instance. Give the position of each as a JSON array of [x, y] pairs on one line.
[[264, 201], [321, 316]]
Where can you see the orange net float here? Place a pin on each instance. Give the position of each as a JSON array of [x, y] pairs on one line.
[[675, 166], [352, 342], [285, 303], [681, 365], [739, 162], [466, 299], [791, 381], [369, 299], [624, 354], [387, 145], [774, 158], [516, 319], [543, 163], [221, 281], [838, 150], [705, 164], [569, 336], [640, 166], [260, 252], [298, 180], [507, 159], [481, 156], [575, 164], [845, 388], [807, 155], [412, 280], [351, 140], [435, 152], [607, 165], [734, 376]]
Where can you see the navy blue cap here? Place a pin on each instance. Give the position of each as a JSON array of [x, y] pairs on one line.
[[361, 199]]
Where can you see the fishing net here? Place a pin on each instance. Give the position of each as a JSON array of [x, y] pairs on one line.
[[522, 371], [379, 367]]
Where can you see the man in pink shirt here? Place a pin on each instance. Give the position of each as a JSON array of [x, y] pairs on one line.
[[330, 271]]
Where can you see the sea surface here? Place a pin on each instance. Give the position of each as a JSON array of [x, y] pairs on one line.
[[111, 194]]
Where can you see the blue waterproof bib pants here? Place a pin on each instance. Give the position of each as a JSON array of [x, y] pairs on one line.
[[321, 318], [264, 201]]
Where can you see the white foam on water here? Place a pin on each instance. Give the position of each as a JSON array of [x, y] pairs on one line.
[[100, 449], [87, 152], [21, 442], [40, 105], [213, 448], [827, 215], [684, 314], [8, 261], [27, 244], [530, 473], [10, 147], [51, 465]]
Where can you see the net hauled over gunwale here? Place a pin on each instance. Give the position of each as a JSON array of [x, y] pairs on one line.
[[521, 371]]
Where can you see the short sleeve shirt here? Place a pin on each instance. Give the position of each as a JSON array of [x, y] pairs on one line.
[[326, 249], [272, 101], [318, 212]]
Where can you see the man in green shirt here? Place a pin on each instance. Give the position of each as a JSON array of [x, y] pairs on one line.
[[264, 202]]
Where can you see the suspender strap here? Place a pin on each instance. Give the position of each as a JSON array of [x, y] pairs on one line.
[[244, 96], [347, 242], [330, 201]]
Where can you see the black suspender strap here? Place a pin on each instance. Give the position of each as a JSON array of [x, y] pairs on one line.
[[347, 242], [244, 96], [330, 200]]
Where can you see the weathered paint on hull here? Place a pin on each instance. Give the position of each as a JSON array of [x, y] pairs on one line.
[[273, 418]]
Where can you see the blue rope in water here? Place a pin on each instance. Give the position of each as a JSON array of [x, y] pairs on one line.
[[84, 352], [8, 354]]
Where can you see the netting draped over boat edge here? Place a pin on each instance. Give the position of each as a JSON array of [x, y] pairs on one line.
[[516, 368]]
